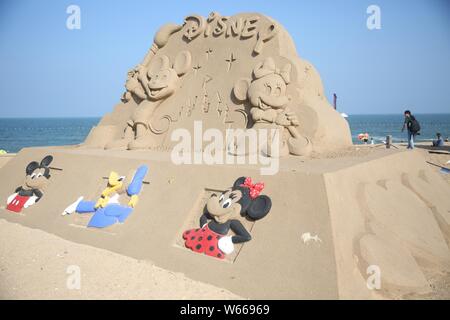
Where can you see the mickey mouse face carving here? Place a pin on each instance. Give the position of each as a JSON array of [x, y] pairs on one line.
[[268, 89], [37, 174], [163, 79]]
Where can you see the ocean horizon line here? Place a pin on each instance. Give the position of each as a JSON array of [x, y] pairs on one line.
[[100, 116], [19, 132]]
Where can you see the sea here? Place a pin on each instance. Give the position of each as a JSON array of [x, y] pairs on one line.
[[18, 133]]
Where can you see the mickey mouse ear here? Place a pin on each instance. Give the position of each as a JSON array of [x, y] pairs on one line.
[[182, 62], [159, 63], [46, 161], [31, 167], [259, 207]]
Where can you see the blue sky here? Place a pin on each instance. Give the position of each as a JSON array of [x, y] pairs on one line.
[[49, 70]]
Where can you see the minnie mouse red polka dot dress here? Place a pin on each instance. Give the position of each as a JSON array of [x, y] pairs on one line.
[[203, 240]]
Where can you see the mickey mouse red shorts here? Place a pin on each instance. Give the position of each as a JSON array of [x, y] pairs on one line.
[[17, 203]]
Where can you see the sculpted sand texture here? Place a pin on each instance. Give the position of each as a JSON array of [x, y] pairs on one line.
[[228, 72], [398, 222]]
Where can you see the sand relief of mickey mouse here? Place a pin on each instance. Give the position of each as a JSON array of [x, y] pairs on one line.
[[31, 191], [267, 94], [153, 85], [221, 215]]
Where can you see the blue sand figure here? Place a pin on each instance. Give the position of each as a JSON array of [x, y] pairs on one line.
[[108, 210]]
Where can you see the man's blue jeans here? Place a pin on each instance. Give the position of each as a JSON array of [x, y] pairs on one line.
[[411, 137]]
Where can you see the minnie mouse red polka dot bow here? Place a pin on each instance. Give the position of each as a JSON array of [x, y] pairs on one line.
[[255, 189]]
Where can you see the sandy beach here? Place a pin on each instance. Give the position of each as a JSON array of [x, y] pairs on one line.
[[37, 265]]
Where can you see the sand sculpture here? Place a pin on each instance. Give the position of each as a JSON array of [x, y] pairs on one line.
[[152, 86], [334, 219], [222, 212], [30, 192], [268, 99], [116, 202], [236, 72]]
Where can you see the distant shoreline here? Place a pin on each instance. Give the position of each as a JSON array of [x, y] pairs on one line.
[[349, 114], [18, 133]]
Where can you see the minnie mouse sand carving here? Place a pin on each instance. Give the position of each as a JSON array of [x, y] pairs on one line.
[[30, 192], [116, 202], [153, 84], [267, 95], [212, 237]]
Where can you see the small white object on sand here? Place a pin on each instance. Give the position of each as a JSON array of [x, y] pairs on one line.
[[71, 209], [306, 237]]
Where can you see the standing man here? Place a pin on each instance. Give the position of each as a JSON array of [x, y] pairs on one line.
[[413, 127]]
